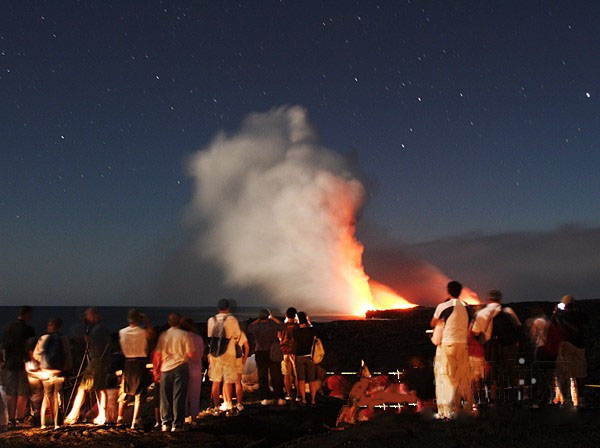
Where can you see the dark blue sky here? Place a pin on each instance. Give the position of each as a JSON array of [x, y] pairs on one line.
[[463, 116]]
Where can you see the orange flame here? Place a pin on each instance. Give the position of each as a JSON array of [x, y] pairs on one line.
[[364, 294], [470, 297]]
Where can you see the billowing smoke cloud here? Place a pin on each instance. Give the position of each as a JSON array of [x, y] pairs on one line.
[[275, 209]]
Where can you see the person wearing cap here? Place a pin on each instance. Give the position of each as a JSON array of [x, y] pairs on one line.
[[498, 328], [225, 328], [571, 361], [266, 348], [134, 345]]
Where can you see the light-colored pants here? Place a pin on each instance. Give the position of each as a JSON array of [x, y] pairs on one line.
[[452, 379]]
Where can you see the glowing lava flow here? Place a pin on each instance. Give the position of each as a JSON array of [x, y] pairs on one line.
[[362, 293]]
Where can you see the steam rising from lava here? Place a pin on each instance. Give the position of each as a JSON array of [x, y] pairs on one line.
[[276, 209]]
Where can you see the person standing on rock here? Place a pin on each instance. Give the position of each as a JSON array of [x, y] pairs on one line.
[[268, 357], [16, 351], [288, 348], [195, 366], [97, 343], [53, 353], [134, 345], [223, 334], [499, 327], [304, 336], [571, 361], [452, 357], [175, 347]]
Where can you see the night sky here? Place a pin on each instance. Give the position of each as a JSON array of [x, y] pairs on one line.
[[474, 121]]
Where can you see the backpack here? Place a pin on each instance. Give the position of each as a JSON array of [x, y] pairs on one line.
[[287, 342], [318, 352], [53, 356], [217, 345], [504, 329]]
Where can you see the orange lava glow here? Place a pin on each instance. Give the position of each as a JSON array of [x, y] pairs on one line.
[[363, 294], [470, 297]]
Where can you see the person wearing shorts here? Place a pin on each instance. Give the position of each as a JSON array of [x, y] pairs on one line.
[[305, 367], [134, 345], [288, 348], [221, 369], [244, 350]]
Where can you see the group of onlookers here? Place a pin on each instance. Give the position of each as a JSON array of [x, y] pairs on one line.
[[34, 371], [479, 350], [282, 353], [476, 361]]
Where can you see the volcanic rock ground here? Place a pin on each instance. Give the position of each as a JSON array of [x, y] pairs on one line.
[[385, 345]]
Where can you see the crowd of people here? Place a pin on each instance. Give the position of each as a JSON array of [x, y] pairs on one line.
[[476, 361], [166, 366], [479, 350]]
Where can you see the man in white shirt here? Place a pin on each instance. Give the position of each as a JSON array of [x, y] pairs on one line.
[[452, 356], [225, 328], [174, 348], [134, 345]]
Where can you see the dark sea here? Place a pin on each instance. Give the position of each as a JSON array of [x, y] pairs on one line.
[[115, 317]]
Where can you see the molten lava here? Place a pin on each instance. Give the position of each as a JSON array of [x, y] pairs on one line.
[[362, 293]]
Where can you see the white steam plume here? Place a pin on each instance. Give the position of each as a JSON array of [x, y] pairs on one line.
[[275, 208]]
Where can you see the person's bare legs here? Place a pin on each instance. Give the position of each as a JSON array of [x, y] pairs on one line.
[[574, 392], [301, 392], [313, 392], [73, 416], [287, 381], [102, 398], [239, 389], [58, 383], [121, 408], [228, 393], [136, 410], [48, 387], [216, 393]]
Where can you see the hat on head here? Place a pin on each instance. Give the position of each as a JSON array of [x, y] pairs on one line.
[[567, 299]]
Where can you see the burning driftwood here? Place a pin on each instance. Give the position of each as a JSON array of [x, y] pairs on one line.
[[370, 392]]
